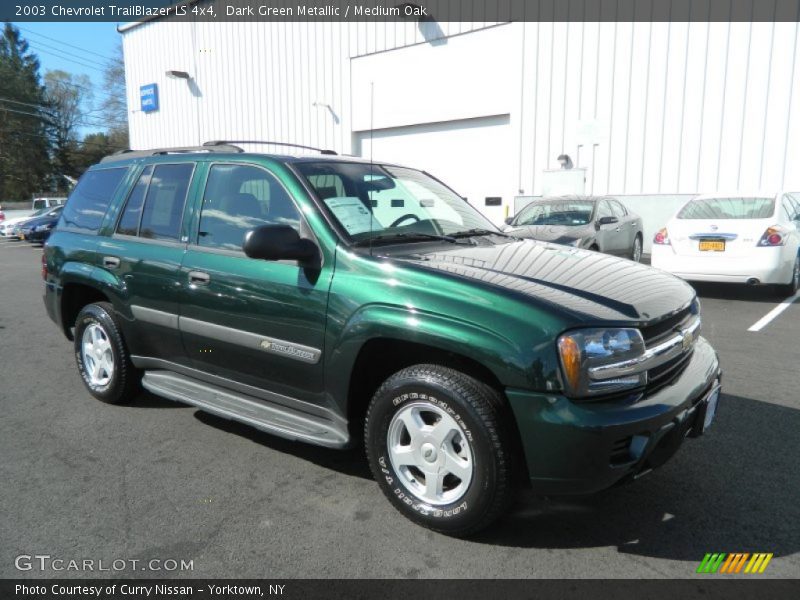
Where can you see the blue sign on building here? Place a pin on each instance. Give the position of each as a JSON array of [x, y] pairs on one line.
[[149, 97]]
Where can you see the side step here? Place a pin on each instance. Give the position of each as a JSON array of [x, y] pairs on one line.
[[272, 418]]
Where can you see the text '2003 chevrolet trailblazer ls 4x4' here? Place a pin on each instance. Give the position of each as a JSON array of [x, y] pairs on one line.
[[323, 299]]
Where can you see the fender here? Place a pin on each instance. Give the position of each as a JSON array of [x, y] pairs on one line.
[[513, 364], [73, 272]]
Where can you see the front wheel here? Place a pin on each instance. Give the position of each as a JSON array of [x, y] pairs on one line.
[[636, 251], [439, 445]]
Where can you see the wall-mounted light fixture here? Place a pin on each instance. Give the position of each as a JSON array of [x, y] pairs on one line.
[[178, 75]]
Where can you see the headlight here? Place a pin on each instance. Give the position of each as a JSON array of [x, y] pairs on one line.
[[586, 349]]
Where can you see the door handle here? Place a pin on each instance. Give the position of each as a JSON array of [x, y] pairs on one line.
[[199, 278], [110, 262]]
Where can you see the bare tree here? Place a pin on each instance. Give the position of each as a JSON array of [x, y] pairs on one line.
[[114, 109], [66, 95]]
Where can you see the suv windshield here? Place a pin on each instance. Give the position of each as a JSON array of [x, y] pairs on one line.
[[568, 213], [728, 208], [374, 202]]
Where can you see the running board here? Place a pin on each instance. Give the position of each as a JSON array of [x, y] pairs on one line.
[[263, 415]]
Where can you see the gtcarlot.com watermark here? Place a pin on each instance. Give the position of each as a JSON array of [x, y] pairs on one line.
[[46, 562]]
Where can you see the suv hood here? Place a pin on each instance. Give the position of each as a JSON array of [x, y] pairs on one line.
[[587, 285]]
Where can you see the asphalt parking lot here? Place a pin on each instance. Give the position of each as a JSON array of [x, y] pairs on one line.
[[158, 480]]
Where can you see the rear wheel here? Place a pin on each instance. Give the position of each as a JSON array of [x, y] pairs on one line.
[[438, 444], [102, 357], [791, 288]]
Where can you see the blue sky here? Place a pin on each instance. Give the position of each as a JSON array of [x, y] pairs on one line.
[[79, 48]]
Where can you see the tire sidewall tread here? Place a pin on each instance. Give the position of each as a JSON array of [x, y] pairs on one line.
[[124, 384], [477, 409]]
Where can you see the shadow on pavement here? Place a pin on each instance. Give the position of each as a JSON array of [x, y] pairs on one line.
[[733, 490], [350, 462], [731, 291]]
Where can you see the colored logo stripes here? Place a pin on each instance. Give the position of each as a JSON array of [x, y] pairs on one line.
[[737, 562]]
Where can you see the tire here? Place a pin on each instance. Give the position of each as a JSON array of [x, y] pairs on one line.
[[636, 251], [790, 289], [460, 429], [103, 360]]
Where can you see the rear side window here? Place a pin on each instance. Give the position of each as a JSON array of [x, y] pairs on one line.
[[154, 208], [89, 201], [166, 196], [129, 222]]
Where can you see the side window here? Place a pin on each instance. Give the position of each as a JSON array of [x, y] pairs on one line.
[[89, 200], [617, 208], [129, 222], [604, 210], [239, 198], [163, 205]]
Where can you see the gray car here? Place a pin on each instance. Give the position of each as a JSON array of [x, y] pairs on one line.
[[595, 223]]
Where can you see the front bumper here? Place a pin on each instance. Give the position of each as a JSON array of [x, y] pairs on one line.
[[579, 448]]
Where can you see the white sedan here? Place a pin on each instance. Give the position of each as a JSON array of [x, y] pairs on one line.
[[737, 238], [8, 227]]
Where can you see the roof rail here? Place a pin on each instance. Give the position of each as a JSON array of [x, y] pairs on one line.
[[216, 143], [127, 153]]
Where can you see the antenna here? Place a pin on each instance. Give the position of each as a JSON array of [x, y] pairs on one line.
[[371, 164]]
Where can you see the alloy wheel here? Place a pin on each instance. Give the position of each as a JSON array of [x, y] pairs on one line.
[[97, 355], [431, 453]]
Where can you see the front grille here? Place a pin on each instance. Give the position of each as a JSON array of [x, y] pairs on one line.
[[664, 374], [663, 330]]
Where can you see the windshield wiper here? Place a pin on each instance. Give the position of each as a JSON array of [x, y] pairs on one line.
[[387, 238], [478, 231]]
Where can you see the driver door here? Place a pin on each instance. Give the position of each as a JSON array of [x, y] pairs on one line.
[[608, 235], [251, 321]]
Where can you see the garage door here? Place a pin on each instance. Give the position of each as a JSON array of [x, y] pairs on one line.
[[472, 156]]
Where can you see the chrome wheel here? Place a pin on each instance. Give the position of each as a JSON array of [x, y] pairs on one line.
[[98, 358], [637, 249], [430, 452]]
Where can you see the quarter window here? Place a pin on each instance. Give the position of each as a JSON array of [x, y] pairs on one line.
[[239, 198], [88, 203]]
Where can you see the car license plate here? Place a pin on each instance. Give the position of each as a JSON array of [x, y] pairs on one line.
[[711, 408], [712, 245]]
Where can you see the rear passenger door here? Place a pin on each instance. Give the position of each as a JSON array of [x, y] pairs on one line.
[[254, 322], [144, 253]]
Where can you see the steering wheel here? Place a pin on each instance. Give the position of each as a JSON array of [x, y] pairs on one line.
[[399, 220]]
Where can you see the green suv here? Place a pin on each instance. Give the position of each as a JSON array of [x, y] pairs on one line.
[[331, 300]]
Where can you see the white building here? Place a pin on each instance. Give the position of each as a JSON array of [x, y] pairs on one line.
[[651, 111]]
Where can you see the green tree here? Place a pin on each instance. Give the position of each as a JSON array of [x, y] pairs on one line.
[[24, 159]]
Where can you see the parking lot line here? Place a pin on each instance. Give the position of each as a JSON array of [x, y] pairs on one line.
[[766, 319]]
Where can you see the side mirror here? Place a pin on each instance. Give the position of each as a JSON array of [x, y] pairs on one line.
[[279, 242], [607, 220], [509, 220]]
